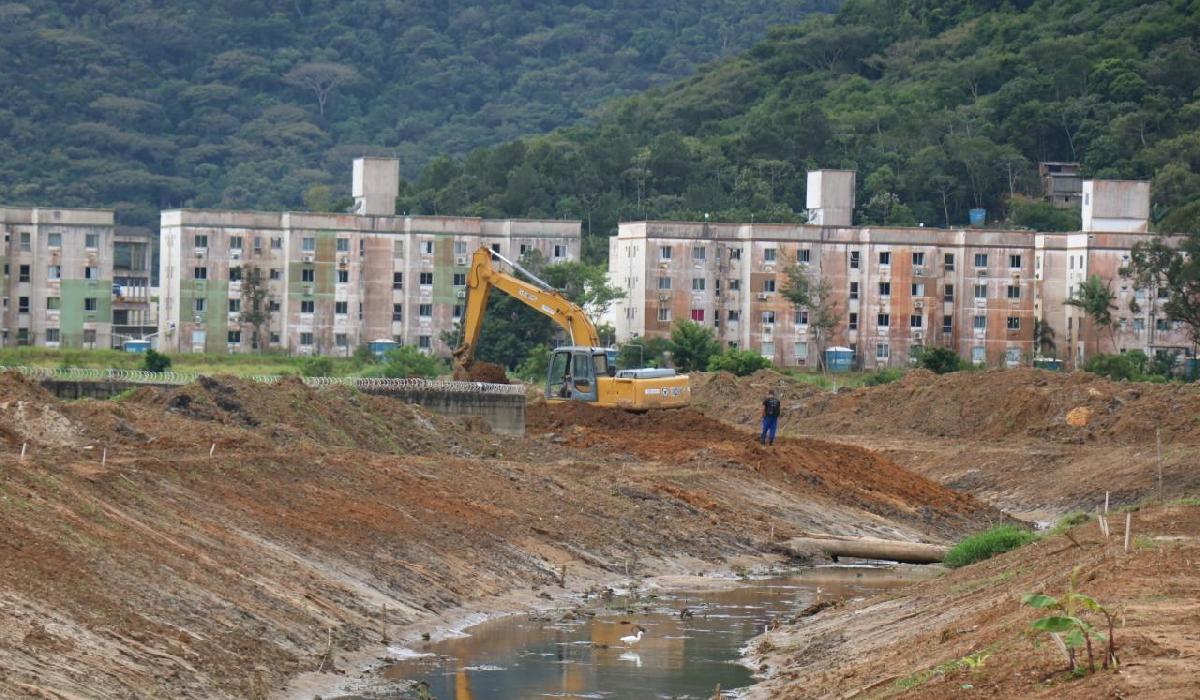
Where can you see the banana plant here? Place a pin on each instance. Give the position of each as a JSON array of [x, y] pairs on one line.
[[1069, 626]]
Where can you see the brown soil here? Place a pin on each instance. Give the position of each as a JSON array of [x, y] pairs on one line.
[[914, 641], [163, 571], [1032, 442], [480, 371]]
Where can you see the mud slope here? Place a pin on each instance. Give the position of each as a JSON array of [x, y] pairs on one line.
[[137, 565], [1028, 441], [967, 634]]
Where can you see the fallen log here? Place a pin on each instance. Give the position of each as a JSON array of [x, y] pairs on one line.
[[868, 548]]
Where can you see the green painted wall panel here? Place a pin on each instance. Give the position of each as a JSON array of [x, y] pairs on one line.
[[71, 312]]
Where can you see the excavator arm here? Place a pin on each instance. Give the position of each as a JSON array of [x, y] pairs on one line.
[[483, 277]]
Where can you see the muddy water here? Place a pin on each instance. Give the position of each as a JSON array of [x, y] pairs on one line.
[[678, 656]]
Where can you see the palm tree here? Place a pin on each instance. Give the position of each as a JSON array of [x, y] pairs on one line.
[[1043, 337], [1095, 298]]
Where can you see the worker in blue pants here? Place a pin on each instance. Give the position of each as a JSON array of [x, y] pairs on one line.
[[770, 418]]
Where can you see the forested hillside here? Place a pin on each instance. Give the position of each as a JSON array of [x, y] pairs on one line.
[[940, 106], [142, 104]]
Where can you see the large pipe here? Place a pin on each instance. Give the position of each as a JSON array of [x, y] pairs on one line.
[[869, 548]]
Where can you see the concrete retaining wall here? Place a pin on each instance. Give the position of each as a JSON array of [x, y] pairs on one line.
[[505, 413]]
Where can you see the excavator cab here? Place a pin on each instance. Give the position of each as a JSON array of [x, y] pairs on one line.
[[575, 372]]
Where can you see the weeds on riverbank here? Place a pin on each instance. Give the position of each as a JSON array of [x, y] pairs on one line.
[[986, 545]]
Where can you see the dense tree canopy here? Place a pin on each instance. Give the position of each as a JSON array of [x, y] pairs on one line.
[[250, 103], [939, 106]]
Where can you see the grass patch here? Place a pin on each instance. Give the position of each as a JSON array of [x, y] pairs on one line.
[[241, 365], [986, 545], [1067, 522], [883, 376]]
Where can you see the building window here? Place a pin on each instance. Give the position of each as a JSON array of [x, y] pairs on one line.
[[854, 259], [460, 279], [397, 312], [89, 303], [664, 284], [235, 242], [343, 276], [341, 340], [274, 273], [948, 293], [804, 255], [918, 259], [698, 284], [1014, 323], [234, 337], [25, 241], [768, 286], [343, 245], [948, 261], [699, 254], [918, 289], [664, 252], [947, 324], [53, 303], [916, 321], [53, 272], [882, 351], [23, 273], [980, 323], [198, 273], [698, 315], [768, 349], [734, 316], [200, 305], [91, 240], [801, 317], [89, 337], [341, 307], [274, 338], [308, 244], [801, 352], [1014, 291], [22, 305], [980, 260], [308, 274], [885, 258], [735, 285], [885, 289], [981, 291], [424, 342], [276, 244], [664, 315], [768, 318], [306, 338], [54, 240], [235, 306], [735, 253], [425, 311], [425, 279], [1014, 261], [93, 273], [53, 335], [200, 241], [1161, 324], [397, 280], [883, 320], [235, 274], [769, 255], [853, 324], [854, 290], [460, 248], [427, 247], [307, 306]]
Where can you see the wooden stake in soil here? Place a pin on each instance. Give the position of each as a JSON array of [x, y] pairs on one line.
[[383, 623], [104, 457], [1128, 521], [1106, 501], [1158, 442], [23, 446], [212, 449]]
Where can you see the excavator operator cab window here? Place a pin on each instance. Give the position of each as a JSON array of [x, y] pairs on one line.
[[583, 375], [602, 367], [560, 373]]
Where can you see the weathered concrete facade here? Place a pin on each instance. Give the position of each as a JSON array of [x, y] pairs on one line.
[[332, 281], [976, 291]]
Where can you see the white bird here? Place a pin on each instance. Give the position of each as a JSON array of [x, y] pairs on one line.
[[634, 638]]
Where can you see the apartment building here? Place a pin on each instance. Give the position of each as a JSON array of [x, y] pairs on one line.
[[57, 283], [331, 282], [976, 291]]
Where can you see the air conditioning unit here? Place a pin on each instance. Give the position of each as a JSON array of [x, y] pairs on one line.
[[236, 256], [343, 261], [460, 293], [919, 272], [918, 335], [763, 296], [307, 257], [199, 252], [461, 261], [664, 296], [768, 329], [663, 265], [918, 304], [981, 273], [307, 288]]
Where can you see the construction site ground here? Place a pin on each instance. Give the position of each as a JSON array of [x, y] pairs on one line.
[[226, 538]]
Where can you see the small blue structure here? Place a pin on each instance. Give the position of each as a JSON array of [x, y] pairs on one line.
[[978, 217], [136, 345], [382, 347], [1049, 363], [839, 359]]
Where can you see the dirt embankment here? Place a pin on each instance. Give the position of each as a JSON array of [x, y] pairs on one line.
[[208, 541], [968, 634], [1029, 441]]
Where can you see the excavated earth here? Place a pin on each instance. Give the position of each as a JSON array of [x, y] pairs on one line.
[[1031, 442], [216, 540]]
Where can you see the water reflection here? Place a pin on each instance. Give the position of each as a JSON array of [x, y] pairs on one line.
[[680, 656]]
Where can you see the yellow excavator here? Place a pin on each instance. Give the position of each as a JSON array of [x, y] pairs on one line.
[[583, 370]]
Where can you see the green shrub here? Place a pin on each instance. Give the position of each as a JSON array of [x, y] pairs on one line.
[[316, 367], [986, 545], [938, 359], [740, 362], [1127, 365], [156, 362], [1042, 216], [407, 361], [882, 376]]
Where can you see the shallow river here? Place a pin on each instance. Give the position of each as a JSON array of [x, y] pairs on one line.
[[516, 657]]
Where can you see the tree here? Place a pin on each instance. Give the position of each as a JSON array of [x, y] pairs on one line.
[[739, 362], [806, 290], [407, 361], [586, 285], [692, 345], [256, 306], [156, 361], [941, 360], [643, 352], [321, 78], [1043, 337], [1095, 298], [1171, 263]]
